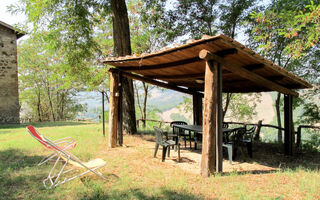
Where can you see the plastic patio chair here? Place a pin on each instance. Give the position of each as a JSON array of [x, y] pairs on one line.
[[238, 140], [231, 141], [181, 132], [161, 139], [248, 138], [64, 143], [225, 125]]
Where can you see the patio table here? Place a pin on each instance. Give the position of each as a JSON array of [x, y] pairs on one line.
[[197, 129]]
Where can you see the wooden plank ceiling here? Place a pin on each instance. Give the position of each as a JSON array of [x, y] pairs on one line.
[[181, 66]]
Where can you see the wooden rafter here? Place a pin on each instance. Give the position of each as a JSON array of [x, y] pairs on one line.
[[204, 54], [162, 66], [158, 83], [177, 77], [251, 54], [254, 67], [176, 63]]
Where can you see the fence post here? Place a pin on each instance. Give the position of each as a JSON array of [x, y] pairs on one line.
[[257, 135], [298, 145]]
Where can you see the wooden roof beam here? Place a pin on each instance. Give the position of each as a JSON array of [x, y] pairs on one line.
[[251, 54], [161, 66], [254, 67], [157, 83], [248, 67], [175, 63], [206, 55], [177, 77]]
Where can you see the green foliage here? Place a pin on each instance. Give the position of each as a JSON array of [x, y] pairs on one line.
[[68, 28], [297, 22], [42, 82], [312, 143], [286, 33], [243, 107], [233, 13], [311, 107], [186, 105]]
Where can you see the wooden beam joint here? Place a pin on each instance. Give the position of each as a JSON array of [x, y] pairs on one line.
[[241, 71]]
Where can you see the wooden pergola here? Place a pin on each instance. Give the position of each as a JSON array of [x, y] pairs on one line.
[[205, 68]]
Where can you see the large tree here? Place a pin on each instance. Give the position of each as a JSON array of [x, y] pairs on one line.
[[286, 33], [122, 47], [71, 26]]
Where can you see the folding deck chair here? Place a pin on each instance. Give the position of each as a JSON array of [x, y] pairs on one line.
[[64, 143], [55, 177]]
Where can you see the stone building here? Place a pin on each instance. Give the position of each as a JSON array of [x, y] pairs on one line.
[[9, 95]]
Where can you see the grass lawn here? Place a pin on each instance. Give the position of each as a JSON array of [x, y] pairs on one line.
[[132, 171]]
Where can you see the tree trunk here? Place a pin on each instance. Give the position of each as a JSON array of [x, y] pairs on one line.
[[122, 47], [229, 95], [62, 103], [51, 104], [279, 117], [38, 105], [144, 116]]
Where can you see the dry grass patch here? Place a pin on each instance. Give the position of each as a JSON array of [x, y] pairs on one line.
[[133, 173]]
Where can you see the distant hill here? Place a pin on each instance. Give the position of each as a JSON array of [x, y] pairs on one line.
[[162, 99], [165, 100]]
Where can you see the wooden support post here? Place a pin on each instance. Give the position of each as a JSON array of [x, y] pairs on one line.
[[219, 118], [113, 109], [211, 160], [288, 125], [120, 114], [197, 109]]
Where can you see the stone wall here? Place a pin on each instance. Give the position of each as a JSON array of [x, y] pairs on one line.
[[9, 96]]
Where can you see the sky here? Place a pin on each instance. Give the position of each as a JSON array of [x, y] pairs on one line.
[[6, 16]]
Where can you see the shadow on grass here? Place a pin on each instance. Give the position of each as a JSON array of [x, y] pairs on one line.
[[145, 132], [16, 177], [43, 124], [267, 154], [137, 193], [272, 155], [15, 159]]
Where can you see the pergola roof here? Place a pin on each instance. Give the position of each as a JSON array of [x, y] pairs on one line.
[[181, 66]]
